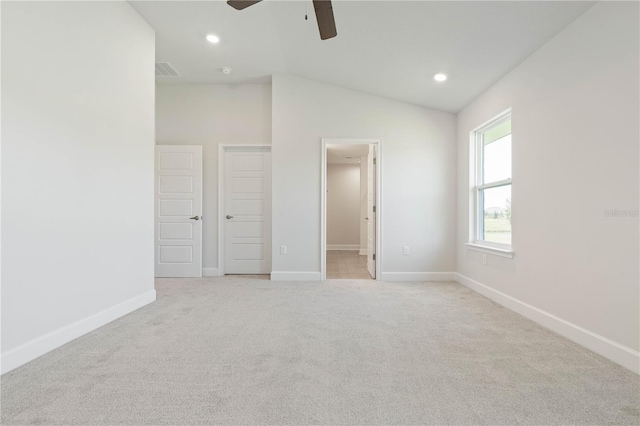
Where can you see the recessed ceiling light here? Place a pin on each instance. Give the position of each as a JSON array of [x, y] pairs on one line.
[[226, 70], [440, 77], [212, 38]]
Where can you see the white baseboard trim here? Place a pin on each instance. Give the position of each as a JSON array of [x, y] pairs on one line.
[[343, 246], [210, 272], [609, 349], [363, 252], [294, 276], [41, 345], [418, 276]]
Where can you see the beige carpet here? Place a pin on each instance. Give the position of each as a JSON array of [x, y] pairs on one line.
[[250, 351], [346, 264]]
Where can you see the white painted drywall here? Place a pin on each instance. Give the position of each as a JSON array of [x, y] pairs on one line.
[[0, 182], [364, 164], [210, 115], [343, 205], [77, 170], [418, 174], [575, 156]]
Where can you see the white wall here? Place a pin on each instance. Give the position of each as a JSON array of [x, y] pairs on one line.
[[210, 115], [343, 205], [575, 155], [418, 175], [77, 171]]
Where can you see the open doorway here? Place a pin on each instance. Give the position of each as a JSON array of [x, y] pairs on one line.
[[350, 214]]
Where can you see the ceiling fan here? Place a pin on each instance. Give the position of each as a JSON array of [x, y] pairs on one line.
[[324, 15]]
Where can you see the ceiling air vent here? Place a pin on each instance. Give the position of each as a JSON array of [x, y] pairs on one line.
[[165, 69]]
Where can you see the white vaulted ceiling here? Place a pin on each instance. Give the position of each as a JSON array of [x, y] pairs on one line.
[[387, 48]]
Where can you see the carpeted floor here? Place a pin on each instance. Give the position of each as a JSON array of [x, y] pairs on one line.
[[244, 350]]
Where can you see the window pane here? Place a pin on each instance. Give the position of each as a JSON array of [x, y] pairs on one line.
[[497, 132], [496, 154], [495, 205]]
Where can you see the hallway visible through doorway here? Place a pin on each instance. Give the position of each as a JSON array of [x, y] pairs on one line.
[[346, 264], [350, 214]]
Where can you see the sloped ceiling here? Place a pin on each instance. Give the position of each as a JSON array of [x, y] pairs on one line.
[[386, 48]]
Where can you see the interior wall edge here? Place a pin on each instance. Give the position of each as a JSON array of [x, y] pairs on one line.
[[613, 351], [210, 272], [41, 345]]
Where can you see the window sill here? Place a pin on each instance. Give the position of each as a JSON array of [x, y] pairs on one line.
[[491, 250]]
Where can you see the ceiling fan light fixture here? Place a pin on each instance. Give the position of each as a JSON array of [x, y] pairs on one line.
[[323, 9], [440, 77], [212, 38]]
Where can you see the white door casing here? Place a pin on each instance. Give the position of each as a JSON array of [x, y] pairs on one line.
[[371, 211], [246, 212], [178, 211], [377, 223]]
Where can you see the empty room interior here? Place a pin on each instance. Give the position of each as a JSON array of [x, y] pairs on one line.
[[320, 212]]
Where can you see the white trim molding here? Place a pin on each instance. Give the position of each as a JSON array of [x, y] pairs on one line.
[[363, 252], [609, 349], [490, 250], [294, 276], [343, 247], [210, 272], [41, 345], [418, 276]]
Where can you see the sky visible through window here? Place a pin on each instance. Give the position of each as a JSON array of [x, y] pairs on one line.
[[497, 166], [496, 209]]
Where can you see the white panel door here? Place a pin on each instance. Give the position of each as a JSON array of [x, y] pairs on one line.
[[178, 210], [371, 209], [247, 211]]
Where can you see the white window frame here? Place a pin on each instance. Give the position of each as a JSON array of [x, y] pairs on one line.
[[477, 223]]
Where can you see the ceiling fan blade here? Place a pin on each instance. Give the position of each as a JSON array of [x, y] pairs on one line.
[[242, 4], [324, 15]]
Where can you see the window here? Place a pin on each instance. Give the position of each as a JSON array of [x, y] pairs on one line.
[[492, 187]]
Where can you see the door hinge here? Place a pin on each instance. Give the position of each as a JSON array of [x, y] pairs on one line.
[[374, 160], [374, 209], [374, 256]]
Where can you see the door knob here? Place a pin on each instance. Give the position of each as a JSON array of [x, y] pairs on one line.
[[229, 216], [195, 218]]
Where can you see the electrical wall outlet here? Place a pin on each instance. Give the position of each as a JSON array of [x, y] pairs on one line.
[[405, 250], [484, 259], [283, 249]]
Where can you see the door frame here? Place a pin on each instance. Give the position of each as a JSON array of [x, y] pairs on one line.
[[323, 199], [222, 148]]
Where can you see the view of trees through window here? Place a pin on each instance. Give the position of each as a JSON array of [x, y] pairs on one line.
[[497, 214], [494, 189]]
